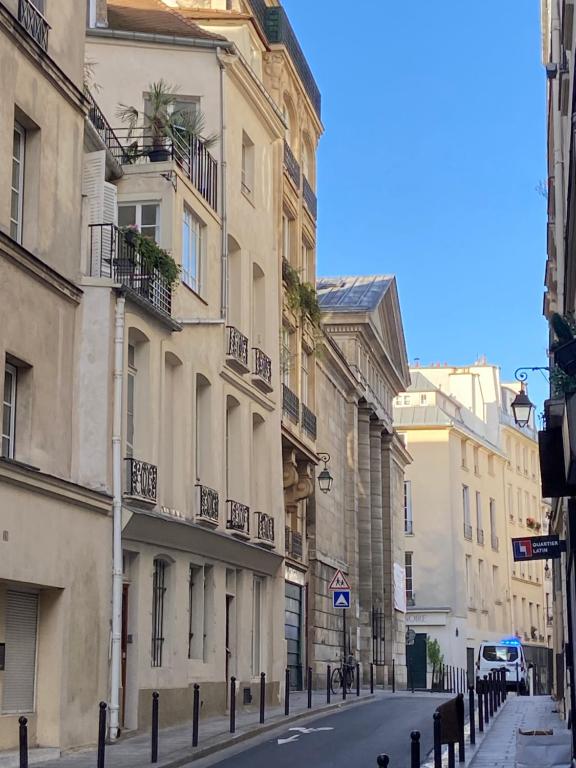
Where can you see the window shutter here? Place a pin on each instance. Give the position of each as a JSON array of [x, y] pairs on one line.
[[94, 174], [20, 661]]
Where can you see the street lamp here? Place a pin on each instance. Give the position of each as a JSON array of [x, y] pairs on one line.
[[521, 406], [325, 478]]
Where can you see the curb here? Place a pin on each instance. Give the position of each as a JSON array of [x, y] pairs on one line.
[[200, 752]]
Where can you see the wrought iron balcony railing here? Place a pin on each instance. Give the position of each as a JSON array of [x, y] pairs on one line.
[[236, 349], [309, 198], [33, 22], [111, 255], [479, 535], [262, 370], [188, 152], [208, 505], [103, 127], [291, 165], [238, 518], [309, 421], [265, 529], [468, 531], [495, 542], [293, 543], [141, 480], [290, 404]]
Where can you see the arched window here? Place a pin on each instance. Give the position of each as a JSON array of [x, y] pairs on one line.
[[203, 430], [290, 119], [308, 164], [233, 450], [173, 438], [258, 307], [234, 283]]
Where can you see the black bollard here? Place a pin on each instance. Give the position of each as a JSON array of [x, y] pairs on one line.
[[195, 714], [371, 678], [480, 706], [393, 676], [486, 706], [437, 740], [154, 748], [504, 685], [491, 694], [357, 679], [262, 695], [471, 715], [309, 687], [101, 734], [383, 761], [328, 673], [344, 669], [23, 737], [517, 681], [415, 749], [232, 704], [451, 755], [287, 693], [461, 745], [443, 677]]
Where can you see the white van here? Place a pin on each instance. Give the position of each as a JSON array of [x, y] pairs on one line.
[[505, 654]]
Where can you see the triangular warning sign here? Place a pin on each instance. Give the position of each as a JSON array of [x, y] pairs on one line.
[[339, 581], [342, 601]]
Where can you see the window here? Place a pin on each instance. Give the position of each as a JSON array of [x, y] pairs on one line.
[[423, 399], [466, 510], [463, 449], [476, 461], [408, 521], [287, 238], [408, 564], [130, 402], [144, 216], [496, 582], [479, 529], [18, 151], [305, 372], [9, 411], [308, 275], [195, 612], [493, 530], [468, 563], [406, 399], [158, 600], [510, 499], [519, 504], [247, 165], [192, 248], [286, 361], [257, 625]]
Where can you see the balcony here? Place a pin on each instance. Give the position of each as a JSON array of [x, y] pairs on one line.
[[33, 22], [309, 422], [480, 536], [265, 530], [291, 165], [293, 544], [309, 198], [111, 255], [262, 370], [236, 349], [290, 404], [495, 542], [141, 480], [207, 509], [103, 128], [238, 519], [468, 531], [188, 152]]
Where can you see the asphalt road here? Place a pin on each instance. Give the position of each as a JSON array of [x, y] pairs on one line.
[[352, 738]]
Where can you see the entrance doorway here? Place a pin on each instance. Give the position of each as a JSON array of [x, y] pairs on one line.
[[416, 661], [293, 633]]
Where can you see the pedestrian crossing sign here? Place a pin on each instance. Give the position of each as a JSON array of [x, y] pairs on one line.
[[339, 581], [341, 598]]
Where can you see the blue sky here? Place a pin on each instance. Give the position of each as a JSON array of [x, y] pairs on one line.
[[434, 143]]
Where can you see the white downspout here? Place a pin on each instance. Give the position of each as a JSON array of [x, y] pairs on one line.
[[558, 158], [223, 193], [118, 377]]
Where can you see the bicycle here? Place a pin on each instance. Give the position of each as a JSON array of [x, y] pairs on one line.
[[345, 671]]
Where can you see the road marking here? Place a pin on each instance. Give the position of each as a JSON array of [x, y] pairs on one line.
[[290, 738], [300, 730]]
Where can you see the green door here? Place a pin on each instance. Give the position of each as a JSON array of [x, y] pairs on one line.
[[416, 662]]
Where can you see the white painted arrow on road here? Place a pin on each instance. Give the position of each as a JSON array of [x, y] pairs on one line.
[[290, 738], [301, 731]]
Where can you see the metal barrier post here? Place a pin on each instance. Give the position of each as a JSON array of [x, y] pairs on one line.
[[154, 749], [287, 693], [486, 706], [328, 674], [393, 676], [451, 755], [309, 687], [371, 678], [357, 679], [232, 704], [344, 680], [491, 694], [517, 681], [461, 745], [415, 749], [480, 705], [101, 734], [262, 695], [23, 739], [195, 714], [437, 740], [471, 715]]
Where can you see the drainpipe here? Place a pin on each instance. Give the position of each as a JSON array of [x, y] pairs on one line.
[[558, 158], [117, 518], [223, 192]]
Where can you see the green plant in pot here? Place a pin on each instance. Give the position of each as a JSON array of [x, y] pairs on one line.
[[163, 122], [565, 348], [151, 255]]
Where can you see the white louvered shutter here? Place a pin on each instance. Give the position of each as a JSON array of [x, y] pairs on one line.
[[93, 180], [109, 216], [20, 661]]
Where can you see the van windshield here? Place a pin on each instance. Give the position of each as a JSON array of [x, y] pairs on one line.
[[500, 653]]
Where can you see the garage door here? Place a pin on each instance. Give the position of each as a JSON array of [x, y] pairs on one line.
[[21, 619]]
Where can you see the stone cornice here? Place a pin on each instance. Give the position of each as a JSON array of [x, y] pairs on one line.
[[36, 268]]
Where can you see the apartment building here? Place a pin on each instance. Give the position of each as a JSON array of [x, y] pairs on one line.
[[55, 558]]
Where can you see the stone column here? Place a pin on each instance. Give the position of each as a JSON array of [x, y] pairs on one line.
[[351, 520], [364, 535], [376, 514]]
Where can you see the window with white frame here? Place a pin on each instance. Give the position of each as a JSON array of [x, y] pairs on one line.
[[247, 165], [130, 400], [463, 452], [408, 520], [17, 190], [409, 568], [466, 510], [304, 375], [192, 249], [144, 216], [423, 398], [9, 411], [257, 601], [479, 527], [287, 227]]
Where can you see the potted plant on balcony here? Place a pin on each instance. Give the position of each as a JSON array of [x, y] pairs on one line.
[[151, 255], [531, 522], [163, 122]]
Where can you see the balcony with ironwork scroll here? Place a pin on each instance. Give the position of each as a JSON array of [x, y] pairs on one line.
[[309, 198], [262, 370], [188, 152], [113, 255], [265, 532], [236, 349], [238, 519], [291, 165], [207, 509], [290, 404], [104, 130], [293, 544], [141, 480], [33, 22], [308, 422]]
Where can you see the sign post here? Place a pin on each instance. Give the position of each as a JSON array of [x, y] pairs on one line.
[[340, 589]]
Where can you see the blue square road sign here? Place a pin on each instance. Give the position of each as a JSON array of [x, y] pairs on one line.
[[341, 598]]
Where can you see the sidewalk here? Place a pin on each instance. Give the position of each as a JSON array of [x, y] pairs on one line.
[[498, 748], [175, 743]]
